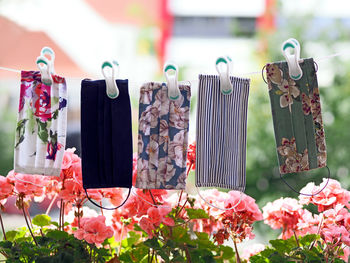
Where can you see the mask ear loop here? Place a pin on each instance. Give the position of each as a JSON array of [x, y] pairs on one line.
[[312, 194], [28, 182], [135, 194], [220, 208], [107, 208]]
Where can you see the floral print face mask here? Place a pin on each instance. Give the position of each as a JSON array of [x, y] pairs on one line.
[[41, 126], [163, 137], [297, 118]]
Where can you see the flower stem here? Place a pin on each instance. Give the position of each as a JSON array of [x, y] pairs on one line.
[[2, 227], [101, 207], [121, 237], [25, 218], [62, 215], [296, 238], [78, 216], [154, 201], [188, 256], [238, 259], [51, 204]]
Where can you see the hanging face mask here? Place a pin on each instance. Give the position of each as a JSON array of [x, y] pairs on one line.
[[296, 112], [221, 130], [163, 137], [41, 126], [106, 135]]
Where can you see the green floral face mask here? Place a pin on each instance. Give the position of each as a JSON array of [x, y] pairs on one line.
[[297, 118]]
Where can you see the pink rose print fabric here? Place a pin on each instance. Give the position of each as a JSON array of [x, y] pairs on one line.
[[163, 137], [41, 126]]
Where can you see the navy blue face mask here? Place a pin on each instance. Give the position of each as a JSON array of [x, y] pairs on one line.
[[106, 137]]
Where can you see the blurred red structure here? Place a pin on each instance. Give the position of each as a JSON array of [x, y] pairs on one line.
[[20, 48]]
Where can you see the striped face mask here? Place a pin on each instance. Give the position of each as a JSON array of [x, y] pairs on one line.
[[41, 126], [221, 132], [163, 137], [297, 119]]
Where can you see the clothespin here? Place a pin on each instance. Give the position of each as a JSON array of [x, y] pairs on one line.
[[111, 85], [50, 55], [295, 71], [172, 80], [46, 65], [224, 74]]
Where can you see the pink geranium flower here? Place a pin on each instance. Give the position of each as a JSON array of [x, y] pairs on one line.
[[157, 215], [31, 185], [6, 189], [332, 195], [336, 233], [94, 230], [147, 226], [283, 213]]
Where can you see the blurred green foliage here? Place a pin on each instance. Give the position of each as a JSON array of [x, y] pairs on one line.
[[263, 182], [7, 139]]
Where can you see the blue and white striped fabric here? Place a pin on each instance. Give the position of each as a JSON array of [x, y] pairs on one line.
[[221, 133]]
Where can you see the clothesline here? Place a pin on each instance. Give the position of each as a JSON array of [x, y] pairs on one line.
[[239, 74]]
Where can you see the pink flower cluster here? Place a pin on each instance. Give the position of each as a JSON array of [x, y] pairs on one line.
[[6, 189], [332, 222], [236, 222], [94, 230], [332, 195], [156, 216], [283, 213]]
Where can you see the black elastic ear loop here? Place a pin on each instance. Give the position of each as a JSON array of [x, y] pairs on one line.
[[262, 74], [291, 187], [107, 208]]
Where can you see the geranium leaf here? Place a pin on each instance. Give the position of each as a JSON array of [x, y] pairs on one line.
[[196, 213], [42, 220]]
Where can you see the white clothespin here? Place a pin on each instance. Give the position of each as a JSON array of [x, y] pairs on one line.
[[111, 85], [224, 74], [49, 54], [45, 63], [295, 71], [45, 70], [172, 81]]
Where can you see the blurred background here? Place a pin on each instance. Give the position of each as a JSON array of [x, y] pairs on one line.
[[142, 34]]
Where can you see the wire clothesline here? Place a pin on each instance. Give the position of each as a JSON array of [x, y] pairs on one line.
[[239, 74]]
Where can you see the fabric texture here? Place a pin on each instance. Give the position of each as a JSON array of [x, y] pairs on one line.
[[221, 133], [106, 136], [297, 119], [41, 125], [163, 137]]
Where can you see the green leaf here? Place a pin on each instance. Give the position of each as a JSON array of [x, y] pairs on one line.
[[125, 257], [131, 240], [42, 220], [308, 239], [57, 235], [180, 235], [227, 252], [11, 235], [196, 213], [140, 252], [54, 223], [283, 246], [152, 243], [5, 244]]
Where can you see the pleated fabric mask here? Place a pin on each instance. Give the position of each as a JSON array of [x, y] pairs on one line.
[[163, 137], [297, 119], [221, 133], [41, 126], [106, 136]]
